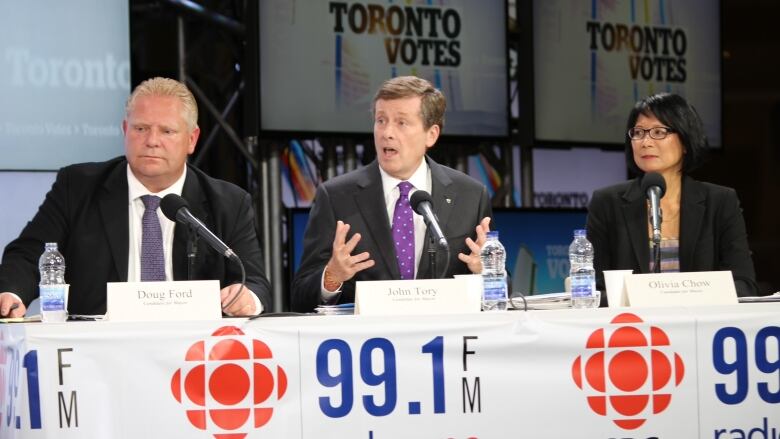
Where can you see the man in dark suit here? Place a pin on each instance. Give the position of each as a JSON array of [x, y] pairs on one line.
[[408, 118], [97, 213]]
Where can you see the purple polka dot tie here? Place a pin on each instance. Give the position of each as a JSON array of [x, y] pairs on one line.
[[152, 259], [403, 232]]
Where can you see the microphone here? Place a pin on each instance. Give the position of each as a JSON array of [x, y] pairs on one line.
[[421, 203], [177, 209], [654, 187]]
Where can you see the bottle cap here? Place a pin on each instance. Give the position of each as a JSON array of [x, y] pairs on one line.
[[492, 234], [579, 232]]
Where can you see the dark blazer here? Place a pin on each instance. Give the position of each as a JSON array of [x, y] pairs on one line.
[[86, 213], [357, 198], [712, 232]]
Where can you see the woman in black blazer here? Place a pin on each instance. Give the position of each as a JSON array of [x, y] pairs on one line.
[[702, 227]]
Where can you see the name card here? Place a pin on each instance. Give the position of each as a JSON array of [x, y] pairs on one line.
[[419, 296], [681, 289], [163, 301]]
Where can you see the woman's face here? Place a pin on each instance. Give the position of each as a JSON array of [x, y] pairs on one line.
[[664, 156]]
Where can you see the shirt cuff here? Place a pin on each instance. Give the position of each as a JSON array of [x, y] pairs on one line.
[[328, 297], [258, 304]]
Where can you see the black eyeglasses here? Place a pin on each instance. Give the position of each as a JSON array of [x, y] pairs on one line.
[[657, 133]]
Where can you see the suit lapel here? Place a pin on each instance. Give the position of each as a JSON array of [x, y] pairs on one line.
[[113, 205], [443, 195], [198, 205], [370, 201], [691, 216], [635, 218]]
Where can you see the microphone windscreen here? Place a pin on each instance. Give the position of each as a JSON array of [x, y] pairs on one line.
[[170, 205], [419, 197], [654, 179]]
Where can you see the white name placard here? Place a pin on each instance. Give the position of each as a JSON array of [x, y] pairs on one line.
[[418, 296], [681, 289], [163, 301]]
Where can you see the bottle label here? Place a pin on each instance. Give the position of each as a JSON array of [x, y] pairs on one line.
[[494, 288], [53, 297], [582, 285]]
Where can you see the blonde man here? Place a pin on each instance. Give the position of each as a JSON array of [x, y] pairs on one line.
[[106, 220]]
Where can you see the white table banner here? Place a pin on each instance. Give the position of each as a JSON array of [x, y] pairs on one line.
[[632, 373]]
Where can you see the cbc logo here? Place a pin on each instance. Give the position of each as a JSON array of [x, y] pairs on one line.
[[629, 370], [229, 383]]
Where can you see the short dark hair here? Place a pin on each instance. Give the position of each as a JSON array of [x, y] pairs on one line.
[[432, 105], [676, 113]]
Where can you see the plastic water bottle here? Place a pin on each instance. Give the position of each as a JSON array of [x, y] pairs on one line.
[[582, 274], [53, 290], [494, 286]]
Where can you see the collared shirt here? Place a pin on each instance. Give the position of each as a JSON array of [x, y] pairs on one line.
[[421, 180], [135, 212]]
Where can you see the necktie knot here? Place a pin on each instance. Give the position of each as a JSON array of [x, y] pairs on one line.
[[405, 187], [151, 201]]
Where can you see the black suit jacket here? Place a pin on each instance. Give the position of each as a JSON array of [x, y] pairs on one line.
[[86, 213], [712, 232], [357, 198]]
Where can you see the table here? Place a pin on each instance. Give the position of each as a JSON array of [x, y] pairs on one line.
[[711, 372]]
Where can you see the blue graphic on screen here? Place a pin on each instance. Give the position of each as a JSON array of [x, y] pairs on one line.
[[536, 241], [537, 245]]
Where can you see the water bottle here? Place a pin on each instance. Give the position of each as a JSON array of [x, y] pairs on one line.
[[582, 275], [494, 286], [53, 290]]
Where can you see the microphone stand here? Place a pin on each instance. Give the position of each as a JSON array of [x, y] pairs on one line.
[[656, 256], [657, 245], [433, 247], [432, 253], [192, 251]]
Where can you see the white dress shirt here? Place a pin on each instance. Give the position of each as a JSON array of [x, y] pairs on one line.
[[421, 180], [135, 212]]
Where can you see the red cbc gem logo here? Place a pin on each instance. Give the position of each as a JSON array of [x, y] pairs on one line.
[[229, 384], [629, 371]]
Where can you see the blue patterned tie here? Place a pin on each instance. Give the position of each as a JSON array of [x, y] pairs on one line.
[[152, 259], [403, 231]]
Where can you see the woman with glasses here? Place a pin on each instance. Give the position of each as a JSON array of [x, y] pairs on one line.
[[702, 228]]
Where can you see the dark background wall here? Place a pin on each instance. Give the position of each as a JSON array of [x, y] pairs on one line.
[[751, 123], [749, 161]]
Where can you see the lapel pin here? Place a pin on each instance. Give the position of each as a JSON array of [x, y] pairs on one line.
[[448, 200]]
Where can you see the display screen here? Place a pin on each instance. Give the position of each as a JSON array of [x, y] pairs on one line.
[[64, 79], [321, 62], [593, 60]]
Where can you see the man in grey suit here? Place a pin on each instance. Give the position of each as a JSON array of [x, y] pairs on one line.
[[353, 232], [99, 216]]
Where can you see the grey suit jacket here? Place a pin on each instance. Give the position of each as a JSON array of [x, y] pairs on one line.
[[356, 198], [712, 232], [86, 214]]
